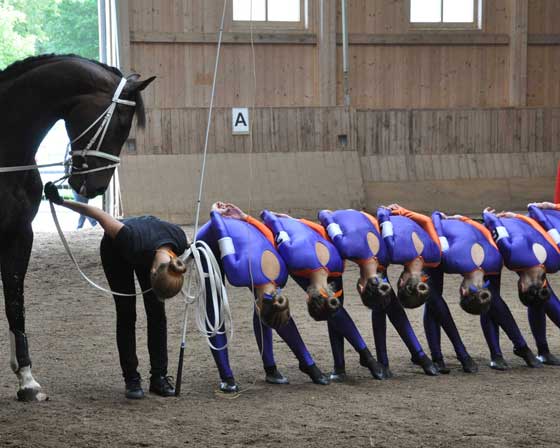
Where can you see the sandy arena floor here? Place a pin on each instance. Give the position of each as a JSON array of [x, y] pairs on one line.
[[71, 333]]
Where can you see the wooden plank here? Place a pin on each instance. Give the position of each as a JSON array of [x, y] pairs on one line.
[[292, 38], [518, 53], [544, 39], [327, 54], [427, 38]]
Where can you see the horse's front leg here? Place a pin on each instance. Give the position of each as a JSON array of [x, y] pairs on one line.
[[15, 260]]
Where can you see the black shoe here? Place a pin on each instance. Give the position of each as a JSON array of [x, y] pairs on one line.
[[162, 386], [469, 366], [133, 389], [440, 366], [388, 373], [338, 375], [549, 359], [315, 374], [376, 368], [273, 376], [427, 365], [528, 356], [229, 386], [499, 363]]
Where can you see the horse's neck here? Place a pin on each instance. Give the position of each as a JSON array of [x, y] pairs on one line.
[[26, 116]]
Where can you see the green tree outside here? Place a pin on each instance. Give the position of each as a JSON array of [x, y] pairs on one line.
[[32, 27]]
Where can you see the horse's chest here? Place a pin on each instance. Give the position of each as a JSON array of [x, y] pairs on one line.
[[19, 202]]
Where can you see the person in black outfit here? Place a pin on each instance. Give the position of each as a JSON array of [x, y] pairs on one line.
[[145, 246]]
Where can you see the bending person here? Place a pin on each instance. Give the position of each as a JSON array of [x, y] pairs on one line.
[[469, 250], [316, 266], [547, 215], [145, 246], [528, 250], [249, 259], [356, 236]]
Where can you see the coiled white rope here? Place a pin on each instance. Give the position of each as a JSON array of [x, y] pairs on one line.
[[196, 257]]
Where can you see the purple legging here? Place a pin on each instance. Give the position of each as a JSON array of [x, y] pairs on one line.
[[399, 319], [537, 320], [437, 315], [340, 325], [289, 333], [499, 315]]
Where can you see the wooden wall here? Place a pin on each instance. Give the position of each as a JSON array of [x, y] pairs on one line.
[[473, 114]]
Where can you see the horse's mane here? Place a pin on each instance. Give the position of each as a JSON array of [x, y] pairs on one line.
[[20, 67]]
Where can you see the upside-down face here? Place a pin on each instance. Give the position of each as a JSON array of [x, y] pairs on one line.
[[412, 287], [376, 292], [533, 286], [273, 308], [475, 295], [167, 277], [321, 302]]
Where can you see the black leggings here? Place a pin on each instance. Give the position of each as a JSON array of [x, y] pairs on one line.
[[120, 275]]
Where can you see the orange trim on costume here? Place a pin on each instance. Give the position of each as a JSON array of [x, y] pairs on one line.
[[482, 229], [539, 229], [530, 267], [364, 261], [433, 264], [556, 206], [317, 227], [307, 272], [422, 220], [373, 221], [262, 228]]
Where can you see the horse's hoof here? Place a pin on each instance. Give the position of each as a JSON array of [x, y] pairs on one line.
[[30, 395]]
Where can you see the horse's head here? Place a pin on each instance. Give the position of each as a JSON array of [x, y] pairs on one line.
[[98, 124]]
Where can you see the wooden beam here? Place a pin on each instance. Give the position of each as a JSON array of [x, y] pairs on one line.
[[294, 38], [518, 53], [123, 30], [427, 38], [543, 39], [327, 52]]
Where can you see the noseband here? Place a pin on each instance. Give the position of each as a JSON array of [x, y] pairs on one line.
[[105, 120]]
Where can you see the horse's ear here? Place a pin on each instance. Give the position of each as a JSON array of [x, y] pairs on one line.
[[138, 86]]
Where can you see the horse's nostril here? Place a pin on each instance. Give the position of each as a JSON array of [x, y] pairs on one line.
[[422, 287]]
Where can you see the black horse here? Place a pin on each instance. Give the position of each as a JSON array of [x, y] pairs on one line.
[[34, 94]]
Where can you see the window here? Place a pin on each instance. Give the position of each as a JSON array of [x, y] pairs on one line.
[[445, 13], [266, 11]]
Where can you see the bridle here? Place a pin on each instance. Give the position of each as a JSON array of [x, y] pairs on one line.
[[104, 119]]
